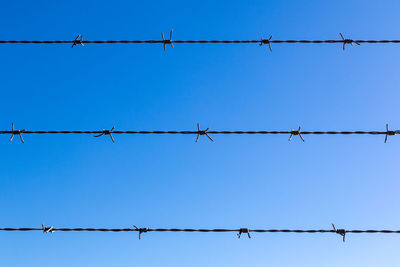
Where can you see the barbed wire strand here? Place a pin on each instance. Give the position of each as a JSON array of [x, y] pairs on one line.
[[169, 41], [240, 231], [207, 132]]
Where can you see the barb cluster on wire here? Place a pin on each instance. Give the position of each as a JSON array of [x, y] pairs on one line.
[[205, 132], [169, 41], [240, 231]]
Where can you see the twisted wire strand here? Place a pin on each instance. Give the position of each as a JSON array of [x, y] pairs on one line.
[[196, 132], [191, 41], [79, 41], [240, 231], [311, 231], [200, 132], [104, 132]]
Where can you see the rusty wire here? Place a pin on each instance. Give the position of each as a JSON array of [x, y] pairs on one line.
[[205, 132], [239, 231], [169, 41]]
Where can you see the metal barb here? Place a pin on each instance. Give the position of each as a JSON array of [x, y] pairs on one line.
[[293, 132], [341, 232], [107, 132], [266, 41], [141, 230], [167, 41], [47, 229], [16, 132], [78, 41], [347, 41], [389, 132], [244, 231], [202, 132]]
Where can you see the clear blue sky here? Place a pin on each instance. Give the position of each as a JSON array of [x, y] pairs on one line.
[[170, 181]]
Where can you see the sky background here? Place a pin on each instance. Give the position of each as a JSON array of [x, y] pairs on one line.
[[170, 181]]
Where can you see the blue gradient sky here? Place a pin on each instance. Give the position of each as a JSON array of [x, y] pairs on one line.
[[170, 181]]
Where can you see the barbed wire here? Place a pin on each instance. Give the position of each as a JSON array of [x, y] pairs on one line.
[[200, 132], [169, 41], [240, 231]]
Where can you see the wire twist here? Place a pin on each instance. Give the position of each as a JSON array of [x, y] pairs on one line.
[[296, 133], [167, 41], [141, 230], [16, 132], [47, 229], [348, 41], [107, 132], [78, 41], [267, 41], [244, 231], [341, 232], [202, 132]]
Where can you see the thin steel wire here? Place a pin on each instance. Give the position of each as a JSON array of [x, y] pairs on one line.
[[200, 132], [341, 232], [196, 132], [169, 41], [191, 41], [202, 230]]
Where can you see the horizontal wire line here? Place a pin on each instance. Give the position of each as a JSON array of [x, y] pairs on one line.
[[201, 230], [188, 41], [196, 132], [199, 132]]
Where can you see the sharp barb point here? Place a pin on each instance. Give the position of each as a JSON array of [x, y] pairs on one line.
[[202, 132]]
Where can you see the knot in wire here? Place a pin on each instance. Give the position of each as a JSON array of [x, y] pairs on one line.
[[16, 132], [341, 232], [167, 41], [347, 41], [389, 133], [78, 41], [294, 132], [141, 230], [266, 41], [202, 132], [107, 132], [244, 231], [47, 229]]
